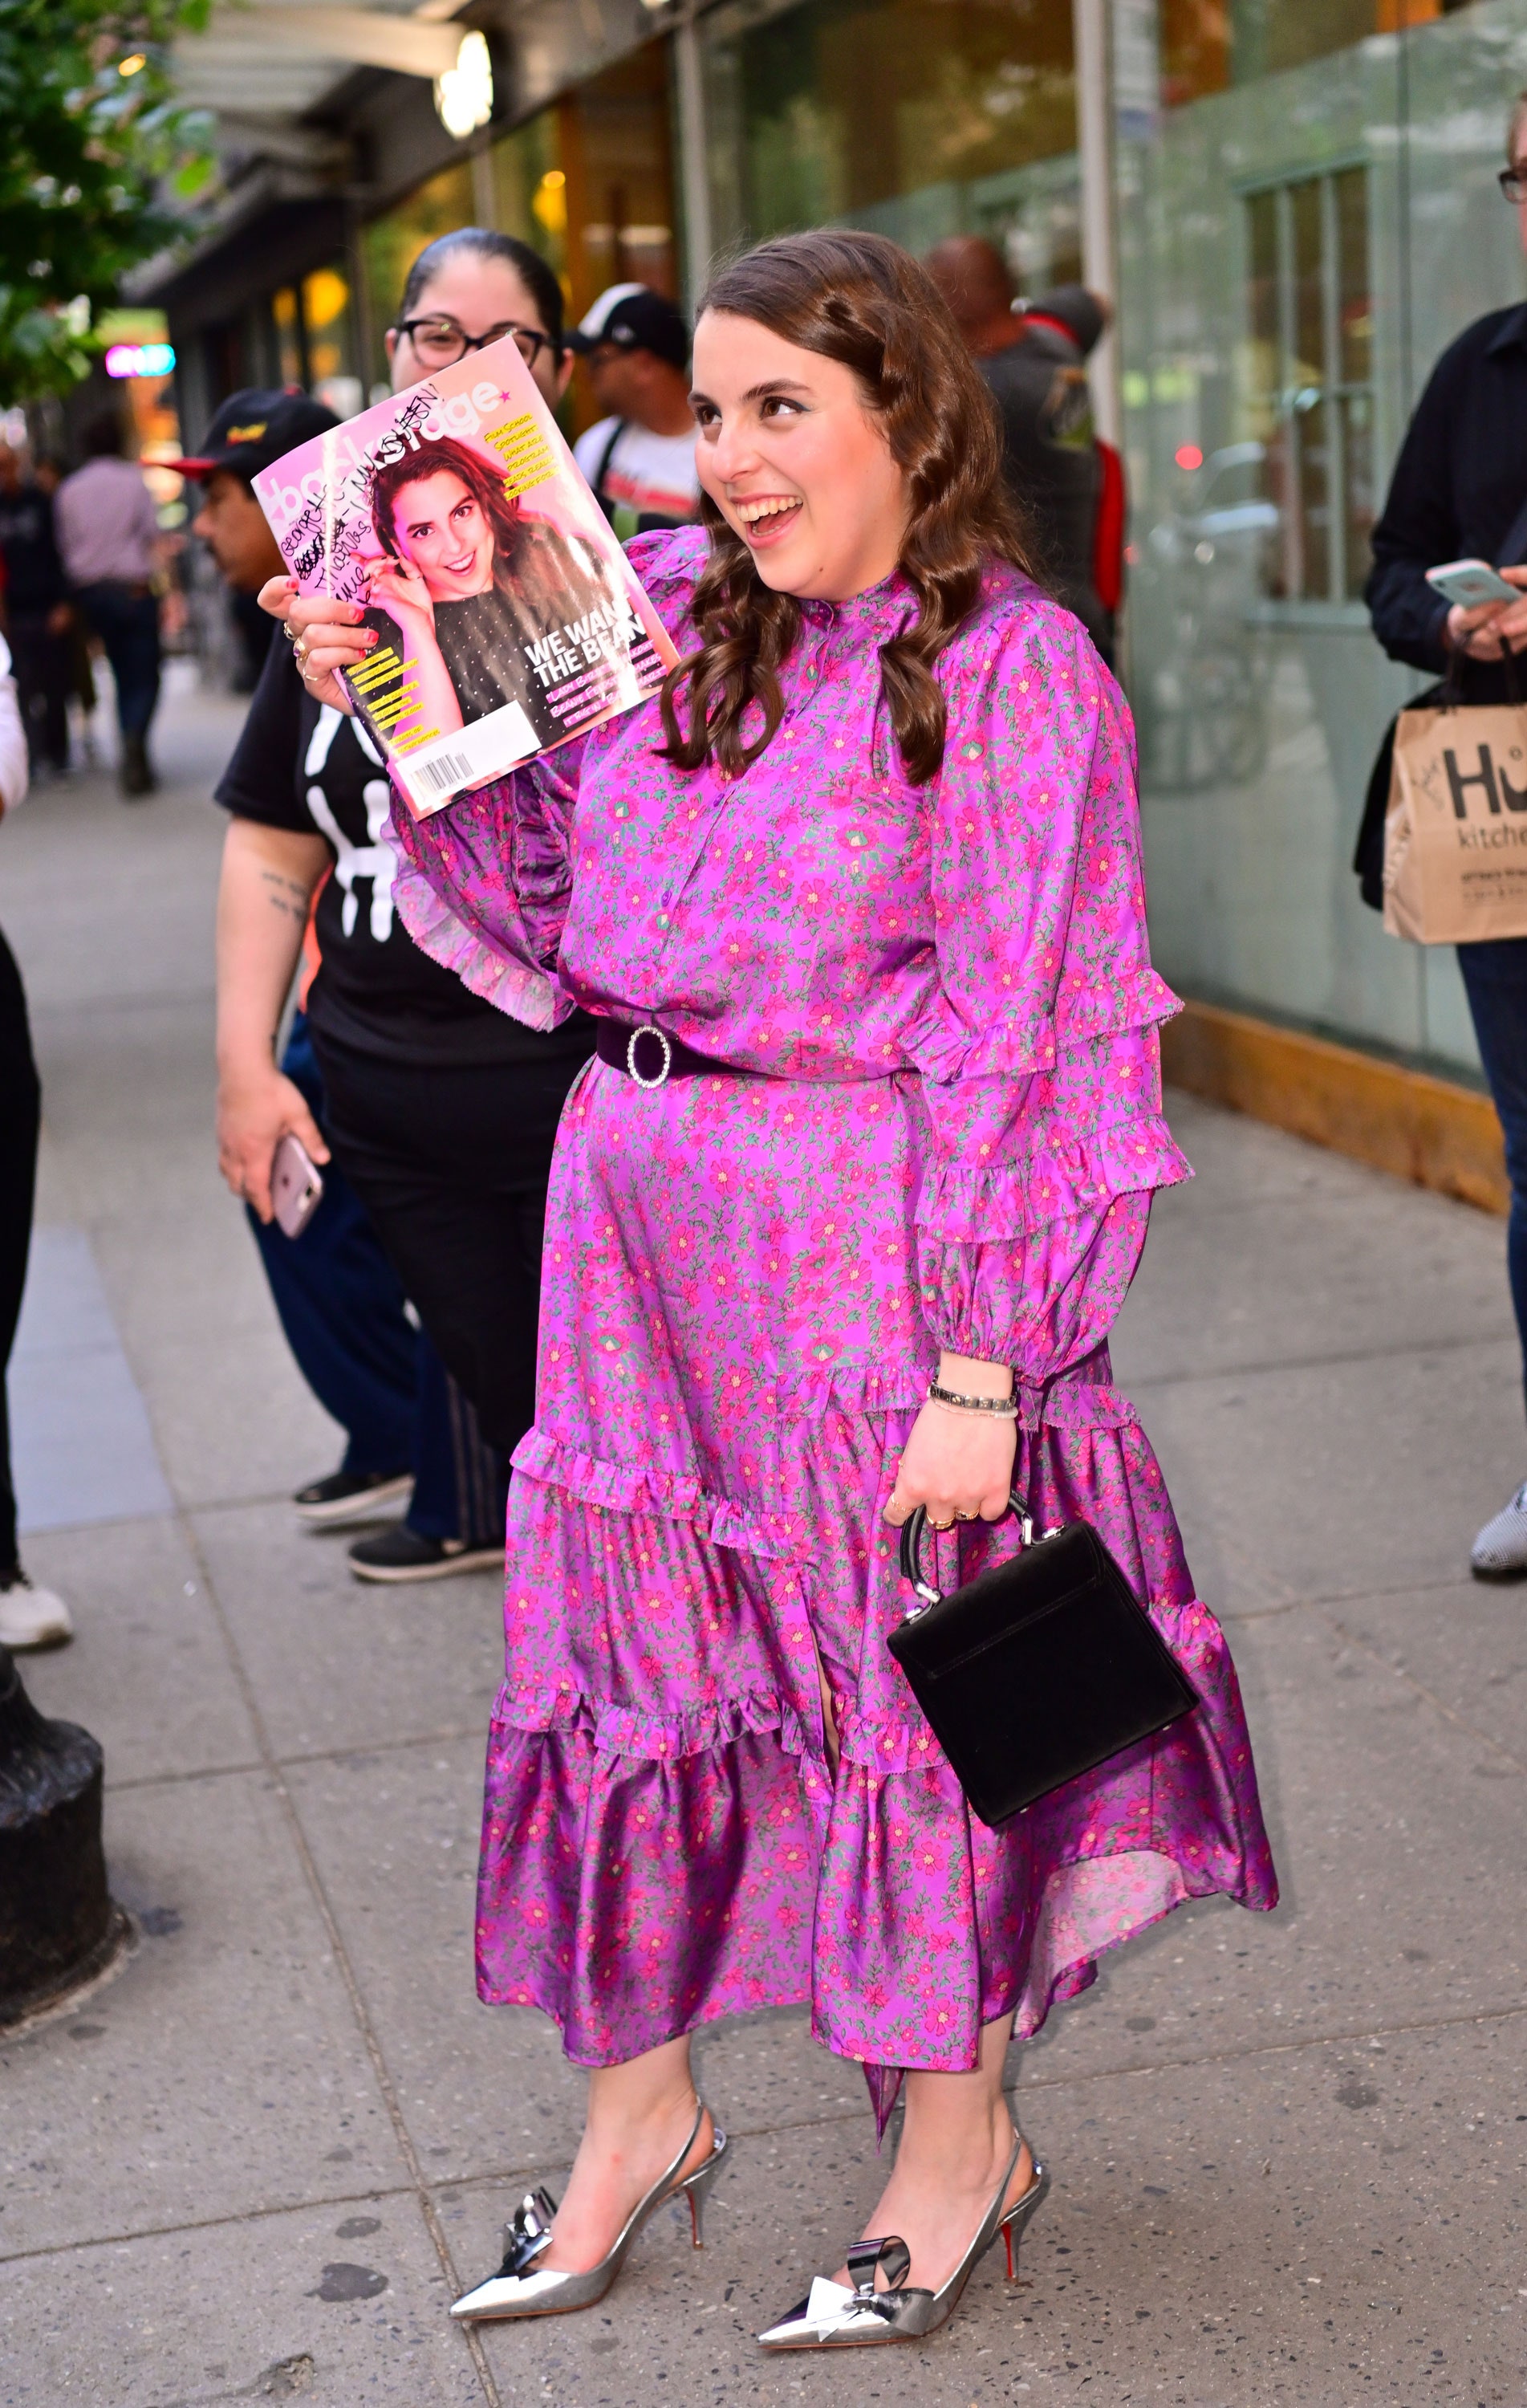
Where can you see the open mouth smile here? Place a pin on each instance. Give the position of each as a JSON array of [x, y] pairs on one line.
[[767, 517]]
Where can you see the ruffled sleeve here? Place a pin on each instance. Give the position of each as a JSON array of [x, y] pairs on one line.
[[1040, 1058], [483, 886]]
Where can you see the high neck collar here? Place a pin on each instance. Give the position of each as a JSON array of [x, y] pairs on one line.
[[878, 611]]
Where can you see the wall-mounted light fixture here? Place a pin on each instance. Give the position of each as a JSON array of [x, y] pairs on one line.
[[463, 95], [459, 64]]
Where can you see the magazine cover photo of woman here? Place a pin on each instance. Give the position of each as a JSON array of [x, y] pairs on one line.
[[465, 581]]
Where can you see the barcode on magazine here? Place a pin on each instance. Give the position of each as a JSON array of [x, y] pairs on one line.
[[445, 770]]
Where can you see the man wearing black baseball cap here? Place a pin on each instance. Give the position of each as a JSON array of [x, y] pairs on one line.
[[640, 458], [251, 430]]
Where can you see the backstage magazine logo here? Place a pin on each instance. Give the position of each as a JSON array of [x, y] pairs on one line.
[[506, 617]]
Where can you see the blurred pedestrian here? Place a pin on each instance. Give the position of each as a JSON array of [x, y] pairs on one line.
[[411, 1439], [48, 473], [440, 1108], [29, 1616], [108, 534], [1033, 367], [639, 458], [38, 614], [877, 1104], [1459, 492], [1086, 317]]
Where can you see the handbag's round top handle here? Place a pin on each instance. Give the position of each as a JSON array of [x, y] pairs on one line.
[[912, 1552]]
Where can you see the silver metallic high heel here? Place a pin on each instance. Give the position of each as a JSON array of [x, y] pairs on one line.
[[518, 2290], [832, 2317]]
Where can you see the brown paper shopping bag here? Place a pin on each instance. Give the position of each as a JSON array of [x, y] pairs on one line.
[[1455, 834]]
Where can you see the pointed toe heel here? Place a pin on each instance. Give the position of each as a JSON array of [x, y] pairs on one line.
[[836, 2316], [523, 2288]]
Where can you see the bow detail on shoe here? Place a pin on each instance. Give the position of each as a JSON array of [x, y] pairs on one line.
[[528, 2231], [829, 2305]]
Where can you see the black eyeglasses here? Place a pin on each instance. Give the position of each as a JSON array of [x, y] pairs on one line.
[[442, 342], [1513, 183]]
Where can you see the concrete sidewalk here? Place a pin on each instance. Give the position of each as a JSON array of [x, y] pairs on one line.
[[1288, 2151]]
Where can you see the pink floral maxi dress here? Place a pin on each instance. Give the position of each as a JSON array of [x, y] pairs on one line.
[[947, 1134]]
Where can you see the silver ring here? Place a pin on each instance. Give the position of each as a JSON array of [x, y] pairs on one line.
[[647, 1029]]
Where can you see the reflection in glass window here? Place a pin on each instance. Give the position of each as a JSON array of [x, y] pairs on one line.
[[1309, 371], [1208, 45], [912, 117]]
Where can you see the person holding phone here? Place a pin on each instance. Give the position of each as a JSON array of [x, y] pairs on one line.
[[439, 1110], [1459, 494], [410, 1438]]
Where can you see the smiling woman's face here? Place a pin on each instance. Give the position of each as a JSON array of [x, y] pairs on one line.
[[441, 527], [794, 461]]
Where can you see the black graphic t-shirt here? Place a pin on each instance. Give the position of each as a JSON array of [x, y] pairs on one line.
[[314, 770]]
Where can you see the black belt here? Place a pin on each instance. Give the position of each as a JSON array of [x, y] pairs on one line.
[[649, 1055]]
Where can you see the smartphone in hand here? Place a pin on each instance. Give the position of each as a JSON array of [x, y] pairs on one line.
[[296, 1186], [1471, 583]]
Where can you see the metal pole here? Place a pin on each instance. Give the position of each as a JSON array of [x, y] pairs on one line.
[[694, 162], [1092, 50]]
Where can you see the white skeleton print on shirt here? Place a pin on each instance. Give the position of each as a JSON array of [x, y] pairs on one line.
[[375, 860]]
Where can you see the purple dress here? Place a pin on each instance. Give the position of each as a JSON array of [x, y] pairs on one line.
[[747, 1283]]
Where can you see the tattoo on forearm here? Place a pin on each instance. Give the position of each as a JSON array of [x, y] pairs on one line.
[[285, 895]]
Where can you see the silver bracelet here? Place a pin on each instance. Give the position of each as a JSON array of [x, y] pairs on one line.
[[1006, 1407]]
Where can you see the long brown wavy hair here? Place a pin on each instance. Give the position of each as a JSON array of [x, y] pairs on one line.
[[531, 561], [862, 301]]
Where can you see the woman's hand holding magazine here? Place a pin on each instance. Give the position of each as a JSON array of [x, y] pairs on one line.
[[329, 636], [488, 612]]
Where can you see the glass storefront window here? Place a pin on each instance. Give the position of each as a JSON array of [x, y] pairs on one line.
[[530, 191], [1309, 367], [392, 243], [1206, 45], [911, 117], [614, 153], [1306, 220]]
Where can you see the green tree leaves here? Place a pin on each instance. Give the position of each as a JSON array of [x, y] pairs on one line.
[[89, 153]]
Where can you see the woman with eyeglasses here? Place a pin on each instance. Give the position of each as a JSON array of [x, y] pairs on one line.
[[439, 1107]]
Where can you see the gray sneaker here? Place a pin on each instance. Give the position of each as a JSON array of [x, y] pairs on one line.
[[1500, 1551]]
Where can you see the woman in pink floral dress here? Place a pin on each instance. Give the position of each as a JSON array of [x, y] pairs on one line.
[[871, 878]]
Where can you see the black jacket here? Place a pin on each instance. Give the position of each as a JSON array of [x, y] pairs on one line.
[[1460, 482]]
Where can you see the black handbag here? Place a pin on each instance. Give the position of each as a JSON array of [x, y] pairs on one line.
[[1039, 1669]]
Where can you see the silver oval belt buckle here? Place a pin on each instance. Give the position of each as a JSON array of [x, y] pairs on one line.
[[663, 1039]]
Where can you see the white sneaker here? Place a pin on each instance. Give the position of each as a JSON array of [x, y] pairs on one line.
[[32, 1617], [1500, 1551]]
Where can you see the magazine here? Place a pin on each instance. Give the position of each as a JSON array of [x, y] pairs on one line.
[[506, 616]]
